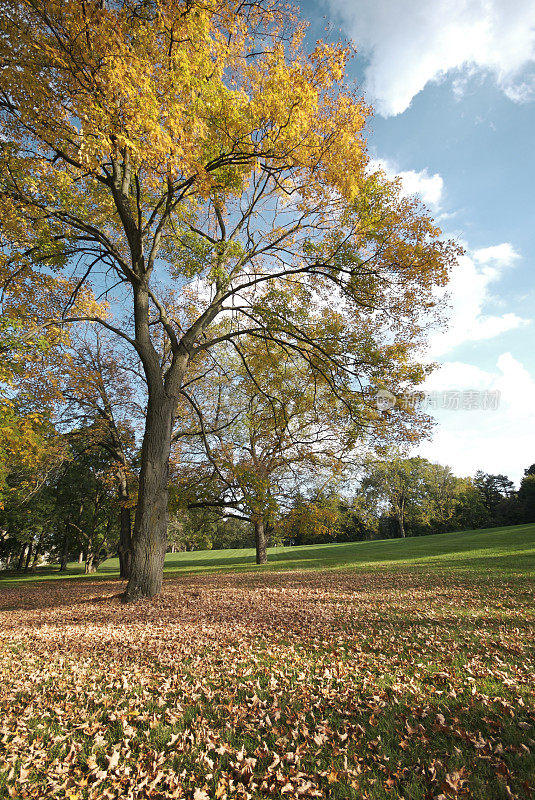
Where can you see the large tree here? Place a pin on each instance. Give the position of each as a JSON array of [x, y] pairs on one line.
[[494, 490], [399, 487], [101, 390], [33, 360], [191, 160], [262, 423]]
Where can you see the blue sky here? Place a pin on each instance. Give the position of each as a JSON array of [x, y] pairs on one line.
[[453, 86]]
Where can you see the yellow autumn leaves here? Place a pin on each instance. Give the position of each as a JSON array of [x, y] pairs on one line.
[[187, 94]]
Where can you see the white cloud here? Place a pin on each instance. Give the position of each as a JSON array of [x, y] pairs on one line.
[[428, 187], [497, 441], [502, 254], [416, 41], [469, 292], [522, 91]]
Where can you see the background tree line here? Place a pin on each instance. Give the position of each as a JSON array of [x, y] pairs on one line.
[[76, 504], [262, 454]]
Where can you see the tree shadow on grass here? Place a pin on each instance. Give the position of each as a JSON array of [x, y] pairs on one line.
[[337, 601]]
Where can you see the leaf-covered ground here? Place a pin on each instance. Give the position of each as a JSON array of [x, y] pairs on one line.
[[275, 685]]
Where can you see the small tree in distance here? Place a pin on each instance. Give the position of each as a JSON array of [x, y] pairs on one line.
[[399, 486], [266, 424]]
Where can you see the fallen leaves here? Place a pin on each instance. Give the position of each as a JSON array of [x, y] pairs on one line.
[[291, 685]]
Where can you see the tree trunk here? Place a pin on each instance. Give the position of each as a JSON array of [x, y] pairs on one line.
[[89, 564], [125, 542], [401, 515], [260, 541], [36, 555], [64, 554], [101, 553], [21, 557], [125, 519], [80, 556], [28, 556], [149, 539]]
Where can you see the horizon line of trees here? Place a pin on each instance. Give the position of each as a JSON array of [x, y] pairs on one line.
[[78, 514], [399, 498]]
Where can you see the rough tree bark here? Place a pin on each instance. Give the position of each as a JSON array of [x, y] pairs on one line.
[[21, 557], [125, 542], [260, 541], [149, 538], [125, 521], [28, 557]]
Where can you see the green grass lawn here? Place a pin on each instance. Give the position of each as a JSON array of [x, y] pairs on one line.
[[506, 552], [388, 670]]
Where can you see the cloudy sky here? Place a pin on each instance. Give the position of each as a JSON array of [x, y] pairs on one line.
[[453, 87]]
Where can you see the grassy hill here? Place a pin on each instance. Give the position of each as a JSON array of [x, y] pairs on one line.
[[506, 552], [387, 670]]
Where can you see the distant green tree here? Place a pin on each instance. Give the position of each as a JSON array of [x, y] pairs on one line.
[[493, 489], [526, 495], [232, 533], [442, 490], [398, 487], [28, 529], [470, 511], [86, 510], [193, 529]]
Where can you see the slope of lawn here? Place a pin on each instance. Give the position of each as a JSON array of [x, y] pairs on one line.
[[381, 671], [507, 551]]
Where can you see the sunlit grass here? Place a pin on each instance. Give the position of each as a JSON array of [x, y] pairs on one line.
[[508, 552]]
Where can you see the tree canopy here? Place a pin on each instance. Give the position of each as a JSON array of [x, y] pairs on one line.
[[190, 161]]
